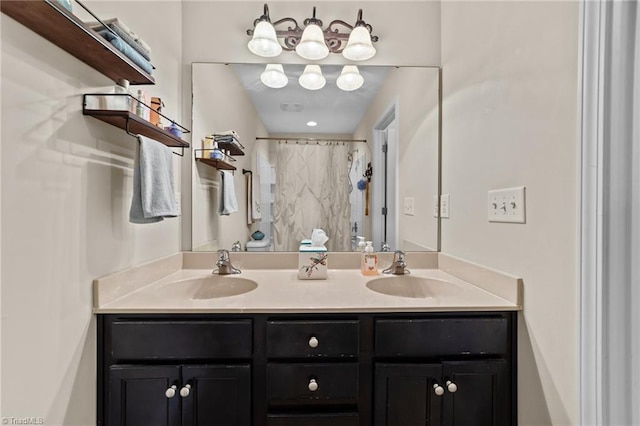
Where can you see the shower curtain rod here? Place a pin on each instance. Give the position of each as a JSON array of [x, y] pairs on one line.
[[309, 139]]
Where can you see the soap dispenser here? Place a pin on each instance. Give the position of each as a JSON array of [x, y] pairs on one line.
[[369, 263]]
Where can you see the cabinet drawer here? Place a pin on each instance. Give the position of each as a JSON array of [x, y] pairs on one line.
[[347, 419], [441, 337], [309, 339], [183, 340], [292, 383]]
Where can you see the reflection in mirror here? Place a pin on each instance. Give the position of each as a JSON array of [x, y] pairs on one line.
[[360, 163]]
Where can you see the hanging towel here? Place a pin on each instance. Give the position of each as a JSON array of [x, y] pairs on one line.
[[228, 200], [249, 178], [256, 214], [153, 196]]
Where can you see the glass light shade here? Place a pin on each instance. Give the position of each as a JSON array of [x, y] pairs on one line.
[[264, 41], [312, 78], [312, 45], [350, 78], [273, 76], [359, 46]]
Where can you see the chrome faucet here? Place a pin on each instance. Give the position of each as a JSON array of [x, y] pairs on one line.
[[224, 264], [236, 246], [398, 266], [385, 246]]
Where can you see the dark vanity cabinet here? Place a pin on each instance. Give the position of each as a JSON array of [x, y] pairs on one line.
[[307, 370]]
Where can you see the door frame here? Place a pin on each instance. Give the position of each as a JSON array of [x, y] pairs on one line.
[[386, 119]]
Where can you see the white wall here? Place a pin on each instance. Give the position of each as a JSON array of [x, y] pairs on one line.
[[415, 92], [220, 103], [509, 118], [66, 190]]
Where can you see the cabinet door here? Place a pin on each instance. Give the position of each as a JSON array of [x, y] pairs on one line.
[[404, 395], [482, 397], [220, 395], [137, 396]]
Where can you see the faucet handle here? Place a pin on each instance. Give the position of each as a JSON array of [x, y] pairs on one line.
[[223, 254], [399, 256]]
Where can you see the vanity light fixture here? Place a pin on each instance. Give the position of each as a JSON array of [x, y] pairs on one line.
[[350, 78], [312, 123], [312, 42], [264, 41], [312, 78], [273, 76]]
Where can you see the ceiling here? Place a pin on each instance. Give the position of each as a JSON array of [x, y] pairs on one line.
[[287, 110]]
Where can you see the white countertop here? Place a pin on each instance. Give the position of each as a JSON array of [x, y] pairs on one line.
[[280, 291]]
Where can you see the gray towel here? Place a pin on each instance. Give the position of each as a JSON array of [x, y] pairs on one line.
[[228, 200], [153, 197]]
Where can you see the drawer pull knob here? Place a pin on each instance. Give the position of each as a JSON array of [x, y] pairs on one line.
[[171, 392], [439, 390], [313, 342], [451, 387], [313, 385], [185, 391]]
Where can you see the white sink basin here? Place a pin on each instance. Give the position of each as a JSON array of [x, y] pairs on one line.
[[209, 287], [413, 287]]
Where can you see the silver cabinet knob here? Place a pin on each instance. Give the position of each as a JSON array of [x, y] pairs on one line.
[[185, 391], [439, 390], [451, 387], [313, 385], [171, 392], [313, 342]]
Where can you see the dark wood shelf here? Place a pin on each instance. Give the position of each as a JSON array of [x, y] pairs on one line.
[[65, 30], [136, 125], [220, 165], [233, 149]]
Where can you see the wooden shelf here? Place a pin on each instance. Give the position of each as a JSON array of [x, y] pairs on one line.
[[136, 125], [65, 30], [233, 149], [220, 165]]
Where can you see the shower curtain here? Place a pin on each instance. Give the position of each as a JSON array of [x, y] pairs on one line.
[[312, 191]]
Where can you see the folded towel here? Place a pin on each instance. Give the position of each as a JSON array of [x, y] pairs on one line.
[[228, 200], [227, 133], [128, 51], [153, 197], [125, 33]]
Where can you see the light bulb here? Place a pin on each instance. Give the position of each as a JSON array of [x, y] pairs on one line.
[[273, 76], [264, 41], [359, 46], [312, 78], [350, 78], [312, 45]]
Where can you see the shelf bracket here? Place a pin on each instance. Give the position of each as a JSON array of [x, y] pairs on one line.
[[136, 136]]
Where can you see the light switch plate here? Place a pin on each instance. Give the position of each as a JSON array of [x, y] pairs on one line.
[[444, 206], [409, 206], [436, 206], [506, 205]]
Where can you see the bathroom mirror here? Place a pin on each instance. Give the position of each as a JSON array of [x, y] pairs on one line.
[[368, 167]]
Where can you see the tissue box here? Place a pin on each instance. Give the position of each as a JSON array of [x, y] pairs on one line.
[[312, 263]]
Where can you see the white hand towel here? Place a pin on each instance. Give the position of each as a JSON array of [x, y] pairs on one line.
[[153, 196], [256, 187], [228, 201]]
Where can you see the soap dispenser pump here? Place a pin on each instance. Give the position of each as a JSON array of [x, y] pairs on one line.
[[369, 263]]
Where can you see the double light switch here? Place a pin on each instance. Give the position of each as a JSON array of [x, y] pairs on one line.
[[507, 205]]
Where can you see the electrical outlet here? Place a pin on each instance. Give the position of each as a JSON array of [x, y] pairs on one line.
[[436, 206], [444, 206], [409, 205], [506, 205]]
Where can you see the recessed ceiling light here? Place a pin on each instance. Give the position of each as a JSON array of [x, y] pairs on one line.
[[312, 123]]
